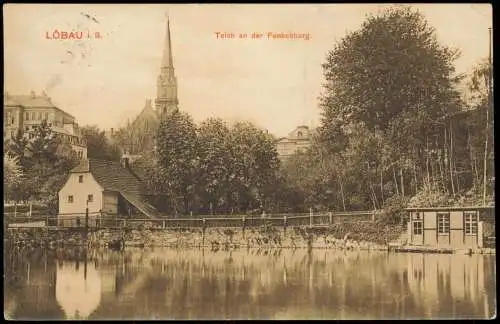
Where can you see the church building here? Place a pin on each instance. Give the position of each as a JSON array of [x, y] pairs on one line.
[[139, 135]]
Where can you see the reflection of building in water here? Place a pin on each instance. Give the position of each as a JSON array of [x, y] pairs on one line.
[[460, 276], [78, 289]]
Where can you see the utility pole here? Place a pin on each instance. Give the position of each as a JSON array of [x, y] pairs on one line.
[[488, 108]]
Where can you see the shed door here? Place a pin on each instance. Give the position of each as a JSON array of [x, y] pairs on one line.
[[417, 228]]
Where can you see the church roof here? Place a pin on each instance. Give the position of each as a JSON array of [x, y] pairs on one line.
[[147, 118]]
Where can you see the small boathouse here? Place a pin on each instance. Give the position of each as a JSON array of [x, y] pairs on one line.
[[452, 227]]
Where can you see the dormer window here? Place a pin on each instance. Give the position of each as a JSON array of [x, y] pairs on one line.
[[299, 134]]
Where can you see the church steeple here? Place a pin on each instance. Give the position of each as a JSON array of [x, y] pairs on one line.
[[166, 93], [167, 50]]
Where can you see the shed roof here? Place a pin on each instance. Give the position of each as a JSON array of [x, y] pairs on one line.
[[449, 208]]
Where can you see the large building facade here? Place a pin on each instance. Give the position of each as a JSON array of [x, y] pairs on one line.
[[23, 112], [138, 136], [297, 140]]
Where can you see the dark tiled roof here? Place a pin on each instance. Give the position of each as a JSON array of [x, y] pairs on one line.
[[111, 175], [141, 204]]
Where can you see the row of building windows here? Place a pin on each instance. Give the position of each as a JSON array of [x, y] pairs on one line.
[[36, 115], [71, 139], [71, 199], [443, 223]]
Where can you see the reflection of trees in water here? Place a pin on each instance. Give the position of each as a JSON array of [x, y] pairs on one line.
[[254, 284], [29, 284]]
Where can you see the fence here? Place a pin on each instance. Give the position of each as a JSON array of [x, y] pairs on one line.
[[100, 220]]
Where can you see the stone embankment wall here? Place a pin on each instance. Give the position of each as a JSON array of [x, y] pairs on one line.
[[365, 236]]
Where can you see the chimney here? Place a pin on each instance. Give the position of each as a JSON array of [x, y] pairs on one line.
[[33, 94]]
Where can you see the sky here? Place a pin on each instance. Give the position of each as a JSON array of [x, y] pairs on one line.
[[274, 83]]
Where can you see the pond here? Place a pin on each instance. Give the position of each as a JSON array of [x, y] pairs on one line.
[[246, 284]]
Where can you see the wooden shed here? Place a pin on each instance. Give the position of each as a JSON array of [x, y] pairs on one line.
[[456, 227]]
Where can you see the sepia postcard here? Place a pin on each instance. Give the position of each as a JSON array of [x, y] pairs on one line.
[[248, 161]]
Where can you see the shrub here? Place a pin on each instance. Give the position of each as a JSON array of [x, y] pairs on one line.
[[394, 211]]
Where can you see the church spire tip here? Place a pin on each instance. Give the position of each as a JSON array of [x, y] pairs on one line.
[[167, 51]]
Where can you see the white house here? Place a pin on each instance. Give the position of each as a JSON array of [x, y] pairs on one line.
[[107, 189]]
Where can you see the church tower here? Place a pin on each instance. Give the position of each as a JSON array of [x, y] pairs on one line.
[[166, 87]]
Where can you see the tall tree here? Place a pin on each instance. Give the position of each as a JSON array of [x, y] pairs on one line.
[[176, 152], [46, 160], [394, 80], [480, 86], [13, 176], [390, 67], [255, 166], [98, 145], [214, 164]]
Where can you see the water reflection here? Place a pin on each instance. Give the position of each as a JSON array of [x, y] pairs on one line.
[[278, 284], [78, 292]]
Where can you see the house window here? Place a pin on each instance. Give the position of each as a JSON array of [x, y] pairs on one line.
[[80, 179], [418, 227], [70, 199], [443, 223], [46, 116], [90, 198], [27, 115], [470, 223]]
